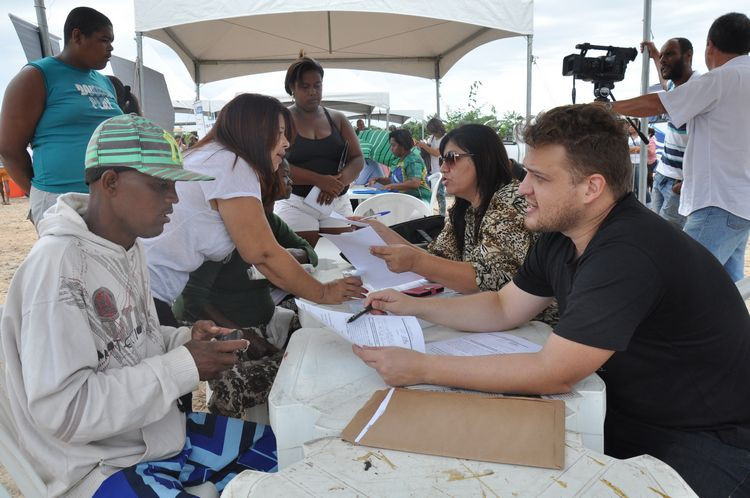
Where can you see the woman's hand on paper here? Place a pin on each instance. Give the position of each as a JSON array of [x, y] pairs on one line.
[[393, 301], [399, 257], [397, 366], [340, 290]]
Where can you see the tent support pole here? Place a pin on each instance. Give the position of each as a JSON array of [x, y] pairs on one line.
[[643, 170], [529, 62], [140, 69], [437, 87], [197, 70], [41, 20]]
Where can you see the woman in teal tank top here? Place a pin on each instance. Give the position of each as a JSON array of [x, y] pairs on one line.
[[55, 104]]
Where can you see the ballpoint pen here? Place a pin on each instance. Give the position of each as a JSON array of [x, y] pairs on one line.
[[367, 309], [381, 213]]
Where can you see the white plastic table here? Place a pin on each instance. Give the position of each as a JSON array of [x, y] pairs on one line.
[[321, 384], [333, 467]]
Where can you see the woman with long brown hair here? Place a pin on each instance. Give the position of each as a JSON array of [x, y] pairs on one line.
[[242, 152]]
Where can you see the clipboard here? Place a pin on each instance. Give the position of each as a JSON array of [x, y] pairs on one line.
[[514, 430], [344, 153]]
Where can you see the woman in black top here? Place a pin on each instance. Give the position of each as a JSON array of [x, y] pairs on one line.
[[317, 158]]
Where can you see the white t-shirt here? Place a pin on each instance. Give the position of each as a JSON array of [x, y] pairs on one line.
[[434, 142], [195, 232], [716, 108]]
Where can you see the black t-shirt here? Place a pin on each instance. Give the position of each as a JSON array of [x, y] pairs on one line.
[[664, 304]]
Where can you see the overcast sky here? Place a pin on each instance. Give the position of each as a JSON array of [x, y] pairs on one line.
[[500, 66]]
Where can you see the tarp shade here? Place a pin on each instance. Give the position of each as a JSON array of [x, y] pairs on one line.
[[228, 38], [158, 106], [28, 35]]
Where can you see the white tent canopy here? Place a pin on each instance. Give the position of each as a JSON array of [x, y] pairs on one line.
[[227, 38], [360, 103]]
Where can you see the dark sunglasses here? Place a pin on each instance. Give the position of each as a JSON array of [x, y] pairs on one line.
[[451, 157]]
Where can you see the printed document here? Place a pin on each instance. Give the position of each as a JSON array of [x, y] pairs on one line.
[[375, 273], [370, 330]]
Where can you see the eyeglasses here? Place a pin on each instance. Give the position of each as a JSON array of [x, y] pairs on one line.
[[451, 157]]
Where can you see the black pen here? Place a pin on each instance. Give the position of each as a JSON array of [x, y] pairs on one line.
[[357, 315]]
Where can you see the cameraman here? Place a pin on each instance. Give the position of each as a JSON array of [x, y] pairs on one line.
[[674, 67], [716, 106]]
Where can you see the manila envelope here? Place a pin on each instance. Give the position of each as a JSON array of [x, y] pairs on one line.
[[522, 431]]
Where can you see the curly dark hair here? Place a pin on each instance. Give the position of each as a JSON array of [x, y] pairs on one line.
[[594, 140]]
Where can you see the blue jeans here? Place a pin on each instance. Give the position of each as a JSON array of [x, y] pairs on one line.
[[665, 202], [722, 233], [370, 170]]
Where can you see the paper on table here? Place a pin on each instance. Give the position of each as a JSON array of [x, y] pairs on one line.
[[375, 273], [337, 216], [370, 330], [312, 200], [483, 344]]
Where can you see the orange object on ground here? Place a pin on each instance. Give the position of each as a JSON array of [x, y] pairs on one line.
[[15, 190]]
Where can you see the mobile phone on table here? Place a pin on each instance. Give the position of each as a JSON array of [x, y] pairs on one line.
[[424, 290]]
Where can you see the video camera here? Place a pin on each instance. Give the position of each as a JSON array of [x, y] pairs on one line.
[[603, 71]]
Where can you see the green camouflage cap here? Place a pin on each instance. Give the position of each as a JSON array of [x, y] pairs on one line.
[[132, 141]]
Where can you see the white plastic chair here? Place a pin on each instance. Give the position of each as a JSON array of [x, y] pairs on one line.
[[434, 181], [402, 207], [20, 470]]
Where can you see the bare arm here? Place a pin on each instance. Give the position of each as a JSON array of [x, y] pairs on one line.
[[653, 52], [23, 105], [457, 275], [430, 150], [248, 227], [408, 184], [641, 107], [555, 369], [484, 312]]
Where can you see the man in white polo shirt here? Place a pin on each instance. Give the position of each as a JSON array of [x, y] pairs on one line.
[[716, 108]]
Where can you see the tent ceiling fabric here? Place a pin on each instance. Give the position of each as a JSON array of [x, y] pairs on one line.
[[227, 38]]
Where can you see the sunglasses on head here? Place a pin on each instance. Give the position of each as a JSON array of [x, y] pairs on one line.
[[451, 157]]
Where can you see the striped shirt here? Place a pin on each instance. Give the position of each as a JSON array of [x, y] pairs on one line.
[[675, 142]]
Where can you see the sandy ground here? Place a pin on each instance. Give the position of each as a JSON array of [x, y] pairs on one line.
[[18, 235]]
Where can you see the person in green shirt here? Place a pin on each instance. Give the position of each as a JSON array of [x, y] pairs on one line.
[[410, 174]]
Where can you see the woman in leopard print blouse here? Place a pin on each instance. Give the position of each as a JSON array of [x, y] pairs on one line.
[[485, 240]]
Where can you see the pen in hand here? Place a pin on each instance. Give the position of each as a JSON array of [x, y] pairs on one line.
[[367, 309]]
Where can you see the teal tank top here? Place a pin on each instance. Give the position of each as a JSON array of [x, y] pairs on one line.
[[77, 101]]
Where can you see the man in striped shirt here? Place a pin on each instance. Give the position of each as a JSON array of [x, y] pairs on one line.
[[674, 67]]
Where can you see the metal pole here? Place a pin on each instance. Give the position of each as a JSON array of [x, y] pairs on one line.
[[643, 169], [41, 19], [139, 69], [437, 87], [197, 70], [529, 62]]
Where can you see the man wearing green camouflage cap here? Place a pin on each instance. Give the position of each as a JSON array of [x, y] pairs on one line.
[[92, 378]]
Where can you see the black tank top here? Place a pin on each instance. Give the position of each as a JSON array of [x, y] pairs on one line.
[[319, 156]]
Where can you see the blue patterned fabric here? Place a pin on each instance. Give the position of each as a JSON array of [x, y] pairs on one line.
[[216, 450]]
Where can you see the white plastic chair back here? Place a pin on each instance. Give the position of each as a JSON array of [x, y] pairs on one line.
[[434, 181], [402, 207], [23, 474]]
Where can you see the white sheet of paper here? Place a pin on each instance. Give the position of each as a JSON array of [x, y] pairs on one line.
[[312, 200], [370, 330], [483, 344], [337, 216], [375, 273]]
